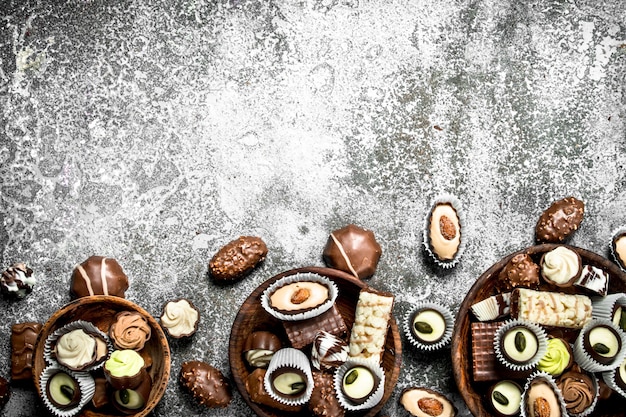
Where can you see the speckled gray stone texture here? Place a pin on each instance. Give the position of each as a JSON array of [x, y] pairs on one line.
[[156, 132]]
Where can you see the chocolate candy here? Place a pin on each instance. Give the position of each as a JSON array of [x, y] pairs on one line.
[[520, 271], [98, 276], [443, 234], [130, 401], [288, 382], [602, 343], [424, 402], [485, 366], [17, 281], [328, 351], [519, 344], [541, 399], [358, 384], [578, 391], [428, 326], [256, 390], [618, 249], [259, 348], [505, 398], [237, 259], [5, 392], [354, 250], [63, 390], [560, 220], [301, 333], [23, 339], [593, 280], [324, 402], [206, 383], [100, 396]]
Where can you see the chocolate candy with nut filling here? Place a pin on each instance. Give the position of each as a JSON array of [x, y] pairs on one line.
[[256, 390], [324, 401], [17, 281], [505, 398], [358, 384], [541, 399], [560, 220], [424, 402], [206, 383], [98, 276], [444, 232], [23, 339], [130, 401], [5, 392], [237, 259], [259, 348], [602, 343], [520, 271], [63, 390], [353, 250]]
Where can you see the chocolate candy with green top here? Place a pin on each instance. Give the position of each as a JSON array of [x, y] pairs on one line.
[[505, 398], [428, 326]]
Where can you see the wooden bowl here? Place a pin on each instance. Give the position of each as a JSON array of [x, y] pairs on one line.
[[252, 316], [101, 310], [474, 392]]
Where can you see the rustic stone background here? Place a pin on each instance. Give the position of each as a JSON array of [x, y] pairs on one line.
[[156, 131]]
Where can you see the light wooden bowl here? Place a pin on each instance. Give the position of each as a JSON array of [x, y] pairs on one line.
[[101, 310], [252, 316], [474, 392]]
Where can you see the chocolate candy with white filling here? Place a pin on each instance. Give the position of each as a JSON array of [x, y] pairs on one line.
[[5, 392], [428, 326], [206, 383], [17, 281], [98, 276], [425, 402], [541, 399], [328, 351], [237, 258], [443, 234], [63, 390], [259, 348], [593, 280], [602, 343], [298, 297], [519, 344], [354, 250], [288, 382], [560, 220], [256, 389], [130, 401], [505, 398], [358, 384]]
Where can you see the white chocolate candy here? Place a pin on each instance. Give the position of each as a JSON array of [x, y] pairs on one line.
[[179, 318], [75, 349], [560, 265]]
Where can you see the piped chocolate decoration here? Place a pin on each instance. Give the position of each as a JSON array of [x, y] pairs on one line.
[[17, 281], [98, 276], [520, 271], [207, 384], [560, 220], [237, 258], [353, 250]]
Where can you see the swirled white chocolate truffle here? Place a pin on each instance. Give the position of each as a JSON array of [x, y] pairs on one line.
[[328, 351], [298, 297], [260, 347], [561, 266], [424, 402], [76, 349], [180, 318], [505, 398]]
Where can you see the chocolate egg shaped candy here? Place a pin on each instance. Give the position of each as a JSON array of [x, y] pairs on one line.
[[443, 236], [206, 383], [98, 276], [237, 259], [560, 220], [354, 250]]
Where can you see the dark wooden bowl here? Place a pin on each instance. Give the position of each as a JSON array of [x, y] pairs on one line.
[[474, 392], [252, 316], [101, 310]]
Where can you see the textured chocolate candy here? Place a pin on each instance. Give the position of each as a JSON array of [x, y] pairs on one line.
[[354, 250], [5, 392], [206, 383], [23, 339], [17, 281], [98, 276], [520, 271], [324, 402], [237, 259], [560, 220]]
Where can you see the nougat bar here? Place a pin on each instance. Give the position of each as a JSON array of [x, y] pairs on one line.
[[371, 322], [551, 308]]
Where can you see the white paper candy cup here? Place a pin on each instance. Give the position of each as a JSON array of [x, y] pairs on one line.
[[289, 358], [602, 307], [86, 326], [492, 308], [615, 234], [458, 208], [609, 378], [535, 377], [86, 385], [447, 334], [542, 344], [374, 398], [300, 277], [584, 359]]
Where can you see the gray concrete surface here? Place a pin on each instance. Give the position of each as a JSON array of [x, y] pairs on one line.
[[155, 132]]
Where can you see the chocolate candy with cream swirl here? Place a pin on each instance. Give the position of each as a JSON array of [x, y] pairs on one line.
[[561, 266], [130, 330], [578, 391], [180, 318]]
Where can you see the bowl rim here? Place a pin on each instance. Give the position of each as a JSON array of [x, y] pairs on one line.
[[158, 389], [234, 351], [459, 349]]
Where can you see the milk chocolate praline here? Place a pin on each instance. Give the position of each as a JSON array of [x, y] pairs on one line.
[[17, 281], [560, 220], [259, 348], [565, 271], [354, 250], [206, 383], [520, 271], [87, 278]]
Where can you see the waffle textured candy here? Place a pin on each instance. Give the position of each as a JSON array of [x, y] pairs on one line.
[[371, 321]]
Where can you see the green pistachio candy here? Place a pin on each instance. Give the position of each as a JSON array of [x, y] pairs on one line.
[[352, 376], [124, 363], [520, 342], [500, 398], [556, 358], [601, 348], [423, 327]]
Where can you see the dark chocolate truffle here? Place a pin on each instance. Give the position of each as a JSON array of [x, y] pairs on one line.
[[259, 348], [354, 250], [98, 276], [560, 220], [63, 390], [520, 271], [5, 392], [206, 383], [237, 258], [324, 401], [17, 281]]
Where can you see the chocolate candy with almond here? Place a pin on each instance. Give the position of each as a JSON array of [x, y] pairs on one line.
[[560, 220], [237, 258]]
